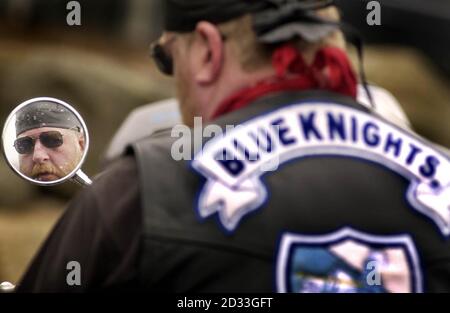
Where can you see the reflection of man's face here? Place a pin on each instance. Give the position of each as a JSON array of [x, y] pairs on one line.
[[50, 164]]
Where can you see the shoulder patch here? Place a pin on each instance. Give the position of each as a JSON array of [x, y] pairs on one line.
[[233, 163], [347, 261]]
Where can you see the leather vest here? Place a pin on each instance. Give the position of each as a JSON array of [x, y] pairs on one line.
[[322, 216]]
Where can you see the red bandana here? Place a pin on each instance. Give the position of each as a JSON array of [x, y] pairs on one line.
[[331, 70]]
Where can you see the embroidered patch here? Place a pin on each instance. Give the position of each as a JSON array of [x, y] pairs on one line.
[[347, 261], [233, 163]]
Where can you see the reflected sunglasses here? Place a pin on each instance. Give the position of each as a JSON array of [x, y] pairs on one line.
[[50, 139]]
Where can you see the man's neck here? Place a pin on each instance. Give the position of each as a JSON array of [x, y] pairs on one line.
[[233, 83]]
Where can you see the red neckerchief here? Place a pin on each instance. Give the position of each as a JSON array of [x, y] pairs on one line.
[[331, 70]]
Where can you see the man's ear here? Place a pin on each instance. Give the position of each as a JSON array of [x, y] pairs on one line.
[[210, 53], [81, 141]]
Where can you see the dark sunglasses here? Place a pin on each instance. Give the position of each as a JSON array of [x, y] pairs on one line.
[[162, 58], [50, 139]]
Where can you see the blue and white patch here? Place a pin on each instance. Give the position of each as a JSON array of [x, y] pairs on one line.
[[347, 261], [234, 187]]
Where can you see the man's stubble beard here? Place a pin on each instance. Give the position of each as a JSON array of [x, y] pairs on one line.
[[50, 168]]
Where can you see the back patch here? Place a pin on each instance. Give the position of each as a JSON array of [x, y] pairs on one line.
[[234, 163], [347, 261]]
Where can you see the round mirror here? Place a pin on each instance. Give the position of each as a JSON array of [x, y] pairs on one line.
[[45, 141]]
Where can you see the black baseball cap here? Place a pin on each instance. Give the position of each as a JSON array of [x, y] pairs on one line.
[[273, 20]]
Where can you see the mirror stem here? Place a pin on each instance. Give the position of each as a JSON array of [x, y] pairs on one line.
[[82, 179]]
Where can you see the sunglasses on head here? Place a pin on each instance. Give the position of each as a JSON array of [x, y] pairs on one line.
[[50, 139]]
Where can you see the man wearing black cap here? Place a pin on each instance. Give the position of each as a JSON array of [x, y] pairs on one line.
[[310, 191], [50, 142]]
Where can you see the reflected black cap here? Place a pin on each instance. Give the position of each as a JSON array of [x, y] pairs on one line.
[[45, 114]]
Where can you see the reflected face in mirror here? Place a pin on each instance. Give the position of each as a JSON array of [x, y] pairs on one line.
[[48, 141], [49, 153]]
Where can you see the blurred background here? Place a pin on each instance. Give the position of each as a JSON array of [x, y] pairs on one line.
[[102, 68]]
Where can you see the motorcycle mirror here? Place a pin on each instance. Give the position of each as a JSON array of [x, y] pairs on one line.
[[45, 141]]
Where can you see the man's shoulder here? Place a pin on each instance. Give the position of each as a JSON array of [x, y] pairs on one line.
[[115, 195], [118, 183], [159, 141], [123, 167]]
